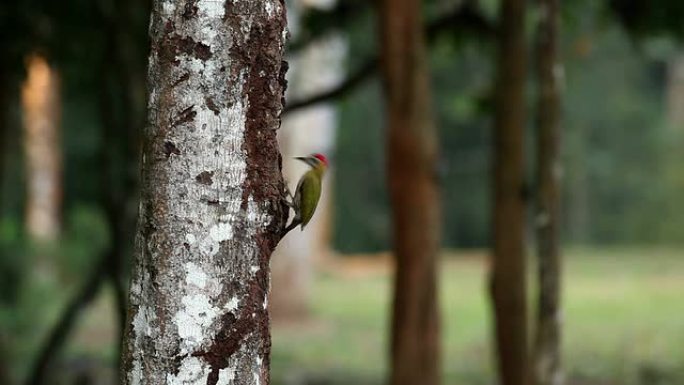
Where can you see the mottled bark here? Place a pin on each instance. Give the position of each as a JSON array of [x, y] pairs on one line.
[[41, 115], [507, 275], [547, 354], [414, 195], [211, 206]]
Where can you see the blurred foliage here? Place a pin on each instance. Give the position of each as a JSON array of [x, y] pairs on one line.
[[623, 322], [620, 159], [648, 17]]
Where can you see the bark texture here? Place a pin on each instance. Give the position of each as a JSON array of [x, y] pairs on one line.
[[547, 355], [211, 200], [414, 195], [41, 116], [507, 276]]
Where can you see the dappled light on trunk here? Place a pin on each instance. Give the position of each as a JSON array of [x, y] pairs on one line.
[[40, 98]]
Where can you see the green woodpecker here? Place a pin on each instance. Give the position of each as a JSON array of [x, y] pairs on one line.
[[308, 191]]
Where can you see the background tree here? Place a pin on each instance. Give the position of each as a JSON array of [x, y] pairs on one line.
[[414, 196], [41, 104], [211, 206], [508, 269], [547, 348]]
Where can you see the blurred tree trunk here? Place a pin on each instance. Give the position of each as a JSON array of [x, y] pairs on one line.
[[211, 207], [41, 115], [123, 80], [4, 87], [675, 92], [414, 195], [316, 67], [507, 276], [547, 355]]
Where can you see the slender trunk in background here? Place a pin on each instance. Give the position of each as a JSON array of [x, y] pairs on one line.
[[414, 195], [675, 92], [4, 88], [211, 206], [316, 67], [123, 86], [547, 350], [41, 115], [507, 275]]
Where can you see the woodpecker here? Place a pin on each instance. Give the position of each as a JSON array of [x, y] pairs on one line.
[[308, 191]]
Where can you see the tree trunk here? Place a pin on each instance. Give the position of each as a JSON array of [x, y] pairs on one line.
[[507, 276], [675, 92], [4, 87], [211, 208], [547, 369], [414, 195], [4, 91], [41, 114]]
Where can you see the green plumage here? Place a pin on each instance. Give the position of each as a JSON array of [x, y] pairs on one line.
[[307, 194]]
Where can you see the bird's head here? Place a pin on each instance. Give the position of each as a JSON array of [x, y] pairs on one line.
[[318, 161]]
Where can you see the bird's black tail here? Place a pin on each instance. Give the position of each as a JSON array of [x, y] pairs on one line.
[[295, 222]]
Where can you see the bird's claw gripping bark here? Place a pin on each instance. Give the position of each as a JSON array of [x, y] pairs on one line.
[[288, 199], [289, 203]]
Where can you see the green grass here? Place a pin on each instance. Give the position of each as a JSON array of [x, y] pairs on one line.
[[623, 318]]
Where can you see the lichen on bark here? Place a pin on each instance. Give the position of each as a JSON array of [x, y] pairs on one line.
[[211, 206]]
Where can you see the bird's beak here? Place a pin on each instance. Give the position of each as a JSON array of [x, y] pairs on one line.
[[304, 159]]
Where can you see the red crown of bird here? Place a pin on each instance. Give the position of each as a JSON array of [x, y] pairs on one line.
[[322, 158]]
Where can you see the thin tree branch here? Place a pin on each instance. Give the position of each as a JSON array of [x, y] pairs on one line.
[[462, 20], [357, 78], [63, 327], [318, 23]]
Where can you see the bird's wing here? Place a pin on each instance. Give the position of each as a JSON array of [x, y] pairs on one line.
[[309, 201]]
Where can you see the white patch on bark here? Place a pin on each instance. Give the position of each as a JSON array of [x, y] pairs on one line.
[[212, 8], [218, 233], [192, 371], [143, 321], [195, 276], [256, 371], [232, 305], [168, 7], [269, 7], [226, 376], [193, 319], [136, 374]]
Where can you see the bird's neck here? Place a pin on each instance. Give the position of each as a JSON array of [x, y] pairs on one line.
[[318, 170]]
